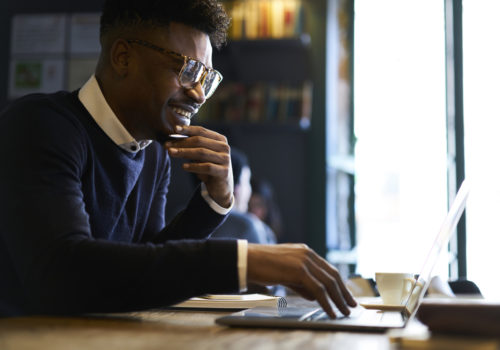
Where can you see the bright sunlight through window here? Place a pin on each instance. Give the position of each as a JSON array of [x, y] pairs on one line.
[[400, 126]]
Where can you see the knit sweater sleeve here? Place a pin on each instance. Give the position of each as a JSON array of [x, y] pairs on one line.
[[54, 263]]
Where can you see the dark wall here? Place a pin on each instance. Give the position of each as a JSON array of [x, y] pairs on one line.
[[9, 8], [278, 154]]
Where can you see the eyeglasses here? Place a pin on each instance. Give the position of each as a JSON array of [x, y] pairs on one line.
[[192, 72]]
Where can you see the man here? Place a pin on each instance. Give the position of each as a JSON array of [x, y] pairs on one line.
[[240, 223], [83, 187]]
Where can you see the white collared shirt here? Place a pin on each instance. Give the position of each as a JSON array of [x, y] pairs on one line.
[[93, 100]]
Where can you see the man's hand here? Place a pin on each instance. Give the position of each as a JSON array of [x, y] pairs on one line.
[[210, 159], [301, 269]]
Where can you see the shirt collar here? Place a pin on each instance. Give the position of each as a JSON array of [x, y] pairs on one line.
[[93, 100]]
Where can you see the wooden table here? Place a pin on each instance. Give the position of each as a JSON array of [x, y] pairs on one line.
[[167, 330], [170, 329]]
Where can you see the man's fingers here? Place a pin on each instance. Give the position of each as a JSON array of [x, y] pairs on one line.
[[301, 269], [201, 155], [331, 286], [199, 142], [340, 285], [208, 155], [319, 291], [206, 169], [203, 161]]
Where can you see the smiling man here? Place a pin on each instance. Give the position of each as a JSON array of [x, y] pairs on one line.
[[85, 178]]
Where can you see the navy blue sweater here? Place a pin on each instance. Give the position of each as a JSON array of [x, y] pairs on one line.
[[82, 225]]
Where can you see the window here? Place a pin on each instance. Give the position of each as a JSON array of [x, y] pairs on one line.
[[400, 130]]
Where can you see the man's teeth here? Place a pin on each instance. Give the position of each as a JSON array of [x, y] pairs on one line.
[[182, 112]]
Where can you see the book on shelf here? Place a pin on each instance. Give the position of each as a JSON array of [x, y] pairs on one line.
[[264, 20], [233, 301], [277, 19], [290, 15], [255, 102], [258, 19]]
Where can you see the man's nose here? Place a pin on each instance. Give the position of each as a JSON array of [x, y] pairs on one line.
[[197, 93]]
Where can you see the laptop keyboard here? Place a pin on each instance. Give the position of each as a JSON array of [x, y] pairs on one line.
[[320, 315]]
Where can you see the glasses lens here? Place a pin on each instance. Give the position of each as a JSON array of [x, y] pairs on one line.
[[211, 82], [191, 73]]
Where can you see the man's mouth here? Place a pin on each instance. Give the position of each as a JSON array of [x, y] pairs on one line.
[[183, 112]]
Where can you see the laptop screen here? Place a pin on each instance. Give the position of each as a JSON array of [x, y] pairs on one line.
[[442, 238]]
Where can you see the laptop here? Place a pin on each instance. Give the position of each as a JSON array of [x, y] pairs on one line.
[[360, 319]]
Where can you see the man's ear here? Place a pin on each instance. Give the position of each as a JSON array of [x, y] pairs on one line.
[[120, 57]]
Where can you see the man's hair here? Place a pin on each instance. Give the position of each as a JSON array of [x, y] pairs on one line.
[[207, 16], [239, 160]]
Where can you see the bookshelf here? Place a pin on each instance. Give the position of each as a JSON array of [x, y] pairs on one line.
[[266, 66]]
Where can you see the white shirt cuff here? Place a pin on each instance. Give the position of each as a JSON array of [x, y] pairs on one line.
[[213, 204], [242, 263]]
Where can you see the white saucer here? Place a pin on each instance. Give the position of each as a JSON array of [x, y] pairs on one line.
[[377, 304]]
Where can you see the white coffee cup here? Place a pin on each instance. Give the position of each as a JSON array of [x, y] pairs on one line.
[[394, 287]]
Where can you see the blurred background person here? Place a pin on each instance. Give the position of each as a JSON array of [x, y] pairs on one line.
[[240, 224], [263, 205]]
